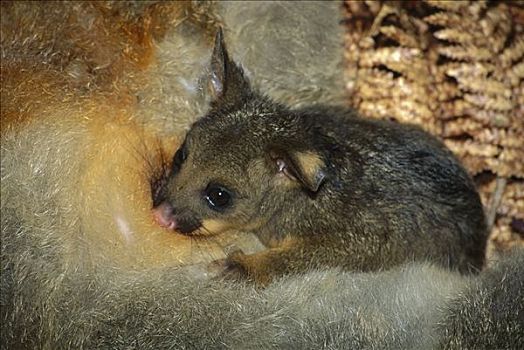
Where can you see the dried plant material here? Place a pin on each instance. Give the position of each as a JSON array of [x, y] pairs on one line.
[[479, 54], [494, 201], [455, 6], [475, 83], [513, 200], [394, 80], [444, 19], [468, 76], [463, 53], [460, 70], [504, 238], [511, 163], [484, 101], [389, 55], [458, 126], [513, 53], [502, 137], [454, 35], [472, 148], [400, 36]]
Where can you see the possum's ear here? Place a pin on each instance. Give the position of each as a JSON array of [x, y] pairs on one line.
[[306, 168], [227, 81]]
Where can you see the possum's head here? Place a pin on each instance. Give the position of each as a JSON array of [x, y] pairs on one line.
[[241, 164]]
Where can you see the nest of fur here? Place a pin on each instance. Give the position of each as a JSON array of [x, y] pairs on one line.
[[457, 69]]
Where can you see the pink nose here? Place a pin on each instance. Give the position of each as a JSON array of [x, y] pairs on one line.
[[163, 215]]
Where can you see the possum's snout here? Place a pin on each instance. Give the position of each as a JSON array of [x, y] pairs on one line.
[[184, 221], [164, 216]]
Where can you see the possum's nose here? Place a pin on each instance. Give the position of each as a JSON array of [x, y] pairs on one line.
[[164, 216]]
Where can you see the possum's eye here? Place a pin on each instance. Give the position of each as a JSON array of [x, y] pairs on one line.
[[218, 197], [180, 157]]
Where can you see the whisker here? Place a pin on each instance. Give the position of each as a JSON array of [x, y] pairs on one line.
[[204, 252], [212, 239], [203, 248], [156, 168]]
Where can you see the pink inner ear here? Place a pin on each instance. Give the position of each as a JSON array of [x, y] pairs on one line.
[[282, 168], [216, 84]]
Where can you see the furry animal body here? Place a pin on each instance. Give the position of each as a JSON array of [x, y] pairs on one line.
[[92, 95], [319, 185]]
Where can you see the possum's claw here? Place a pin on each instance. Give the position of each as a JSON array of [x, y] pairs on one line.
[[235, 267], [230, 268]]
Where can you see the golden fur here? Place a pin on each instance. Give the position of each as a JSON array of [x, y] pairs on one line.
[[109, 88]]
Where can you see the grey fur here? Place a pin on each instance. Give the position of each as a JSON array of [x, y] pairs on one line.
[[489, 314], [309, 56], [414, 307], [302, 46]]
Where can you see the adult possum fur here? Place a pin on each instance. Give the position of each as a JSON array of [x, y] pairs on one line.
[[92, 102], [93, 95]]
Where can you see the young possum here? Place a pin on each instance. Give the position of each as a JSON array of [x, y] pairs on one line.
[[319, 186]]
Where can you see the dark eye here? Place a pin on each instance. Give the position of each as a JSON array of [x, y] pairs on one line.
[[180, 157], [217, 197]]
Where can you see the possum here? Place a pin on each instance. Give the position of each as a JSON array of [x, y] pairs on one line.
[[318, 185]]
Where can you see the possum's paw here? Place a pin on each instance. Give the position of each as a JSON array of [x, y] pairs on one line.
[[235, 266], [240, 266], [229, 268], [243, 267]]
